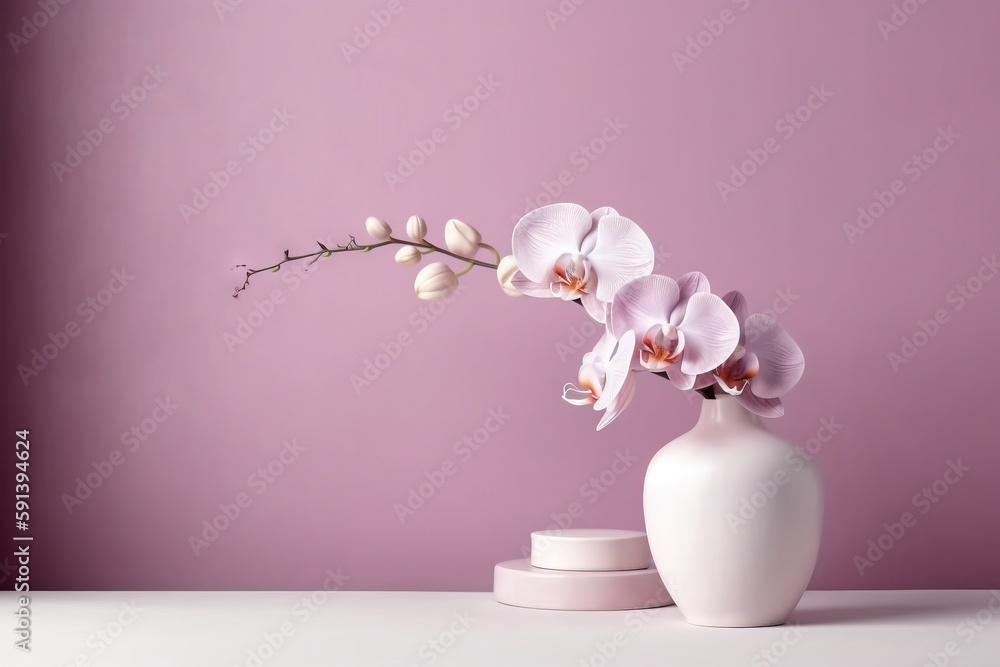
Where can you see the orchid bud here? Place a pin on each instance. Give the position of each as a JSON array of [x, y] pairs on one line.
[[408, 255], [416, 228], [461, 238], [435, 281], [505, 273], [378, 229]]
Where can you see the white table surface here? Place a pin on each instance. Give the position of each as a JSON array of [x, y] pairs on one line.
[[843, 628]]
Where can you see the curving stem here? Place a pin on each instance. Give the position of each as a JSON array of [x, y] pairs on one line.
[[353, 246]]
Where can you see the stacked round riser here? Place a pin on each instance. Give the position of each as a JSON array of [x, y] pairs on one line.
[[582, 569]]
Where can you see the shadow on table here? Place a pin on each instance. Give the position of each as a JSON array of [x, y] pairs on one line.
[[860, 613]]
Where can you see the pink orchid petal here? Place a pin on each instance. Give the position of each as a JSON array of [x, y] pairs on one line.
[[544, 234], [591, 238], [622, 253], [680, 379], [738, 304], [576, 396], [747, 366], [527, 287], [689, 284], [710, 333], [704, 380], [765, 407], [617, 370], [781, 361], [732, 391], [620, 403], [602, 350], [597, 309], [599, 213], [643, 302]]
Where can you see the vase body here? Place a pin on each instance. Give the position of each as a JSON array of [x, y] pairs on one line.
[[733, 514]]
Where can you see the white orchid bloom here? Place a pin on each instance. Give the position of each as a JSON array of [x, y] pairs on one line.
[[681, 327], [606, 377], [564, 251], [765, 365]]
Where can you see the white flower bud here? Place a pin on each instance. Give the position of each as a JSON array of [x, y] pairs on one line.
[[408, 255], [416, 228], [435, 281], [378, 229], [505, 273], [461, 238]]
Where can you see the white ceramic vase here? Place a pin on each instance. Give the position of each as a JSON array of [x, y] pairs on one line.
[[733, 514]]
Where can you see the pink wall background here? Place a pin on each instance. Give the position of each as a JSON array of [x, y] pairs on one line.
[[780, 237]]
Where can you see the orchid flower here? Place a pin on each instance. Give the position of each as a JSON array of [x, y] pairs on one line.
[[563, 251], [765, 365], [680, 327], [606, 378]]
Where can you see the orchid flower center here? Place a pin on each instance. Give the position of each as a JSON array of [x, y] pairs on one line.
[[661, 346], [574, 272], [739, 369]]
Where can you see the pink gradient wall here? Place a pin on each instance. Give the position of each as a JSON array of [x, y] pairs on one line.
[[607, 104]]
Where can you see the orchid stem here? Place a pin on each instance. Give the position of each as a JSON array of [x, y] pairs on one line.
[[353, 246]]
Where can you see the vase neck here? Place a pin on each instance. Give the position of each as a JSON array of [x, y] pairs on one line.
[[725, 410]]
